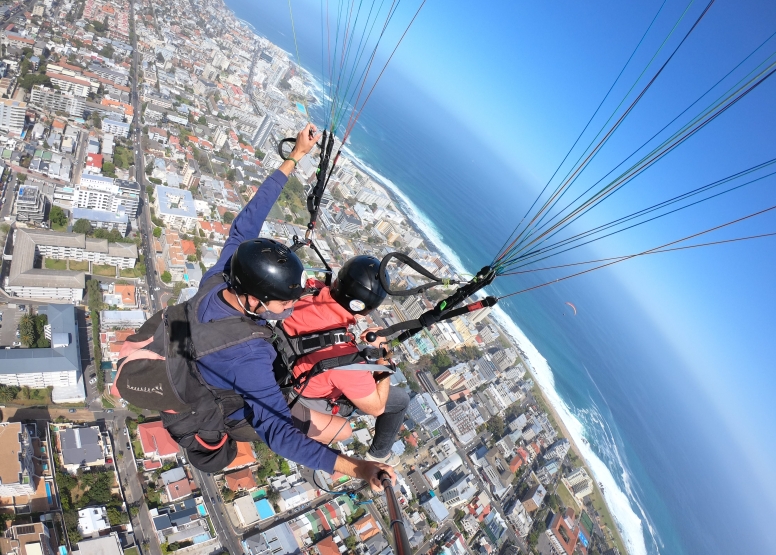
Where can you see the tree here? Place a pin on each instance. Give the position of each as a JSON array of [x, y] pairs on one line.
[[227, 494], [82, 226], [109, 169], [496, 426], [57, 216], [351, 542], [157, 232], [166, 277], [202, 120], [228, 217], [96, 120]]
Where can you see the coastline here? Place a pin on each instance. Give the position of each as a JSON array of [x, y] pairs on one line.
[[598, 498], [625, 529]]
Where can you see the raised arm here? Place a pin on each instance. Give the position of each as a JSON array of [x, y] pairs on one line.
[[248, 223]]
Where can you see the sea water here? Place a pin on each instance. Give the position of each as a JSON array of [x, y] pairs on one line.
[[613, 379]]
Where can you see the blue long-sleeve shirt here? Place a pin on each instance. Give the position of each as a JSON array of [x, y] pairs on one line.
[[247, 368]]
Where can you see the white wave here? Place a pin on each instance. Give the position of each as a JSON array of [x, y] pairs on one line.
[[618, 501], [629, 524], [415, 214]]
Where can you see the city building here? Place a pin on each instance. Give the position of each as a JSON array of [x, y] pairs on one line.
[[93, 520], [57, 101], [58, 366], [81, 448], [241, 480], [30, 204], [175, 207], [274, 541], [121, 319], [103, 219], [424, 412], [98, 192], [533, 498], [24, 280], [579, 483], [27, 539], [495, 528], [460, 492], [17, 472], [437, 473], [118, 128], [519, 518], [12, 116], [156, 442], [366, 527], [435, 509], [504, 358], [104, 545]]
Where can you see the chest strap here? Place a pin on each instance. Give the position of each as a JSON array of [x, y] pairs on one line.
[[311, 342]]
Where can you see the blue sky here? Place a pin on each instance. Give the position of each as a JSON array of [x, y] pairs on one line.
[[526, 78]]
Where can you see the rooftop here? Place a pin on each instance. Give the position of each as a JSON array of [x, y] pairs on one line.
[[80, 446], [175, 202], [61, 318], [155, 439]]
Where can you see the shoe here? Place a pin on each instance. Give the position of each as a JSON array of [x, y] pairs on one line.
[[391, 459]]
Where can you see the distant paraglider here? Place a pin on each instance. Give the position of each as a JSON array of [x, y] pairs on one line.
[[573, 307]]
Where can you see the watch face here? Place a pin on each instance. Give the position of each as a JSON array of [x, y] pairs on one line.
[[357, 306]]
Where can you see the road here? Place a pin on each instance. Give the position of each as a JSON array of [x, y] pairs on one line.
[[7, 196], [227, 535]]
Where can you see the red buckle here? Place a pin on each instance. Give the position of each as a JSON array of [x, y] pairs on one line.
[[334, 409]]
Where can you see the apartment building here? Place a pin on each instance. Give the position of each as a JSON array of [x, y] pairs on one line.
[[12, 116], [57, 101], [175, 207]]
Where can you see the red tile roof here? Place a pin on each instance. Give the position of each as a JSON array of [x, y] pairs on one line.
[[242, 479], [244, 456], [156, 440], [179, 489]]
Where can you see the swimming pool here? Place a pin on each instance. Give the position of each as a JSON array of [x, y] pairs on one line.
[[202, 510], [201, 538], [300, 107]]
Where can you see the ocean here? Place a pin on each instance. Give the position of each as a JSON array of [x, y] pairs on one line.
[[652, 440]]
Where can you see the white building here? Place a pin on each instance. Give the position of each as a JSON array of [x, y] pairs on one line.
[[176, 208], [436, 473], [57, 101], [104, 219], [97, 192], [12, 116], [30, 204], [114, 127], [121, 319], [519, 518], [92, 520], [24, 280], [58, 366], [460, 492], [370, 196], [579, 483], [17, 474]]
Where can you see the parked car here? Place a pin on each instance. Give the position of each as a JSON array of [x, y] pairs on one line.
[[93, 381], [71, 410], [92, 375], [109, 411], [129, 446]]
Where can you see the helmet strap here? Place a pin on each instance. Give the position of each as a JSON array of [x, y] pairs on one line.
[[243, 306]]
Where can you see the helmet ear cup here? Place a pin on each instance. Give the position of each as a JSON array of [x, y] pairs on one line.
[[357, 287], [267, 270]]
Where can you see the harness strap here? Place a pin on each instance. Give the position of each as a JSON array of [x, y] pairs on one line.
[[311, 342]]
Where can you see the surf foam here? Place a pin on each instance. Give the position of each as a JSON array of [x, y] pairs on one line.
[[626, 520], [628, 523]]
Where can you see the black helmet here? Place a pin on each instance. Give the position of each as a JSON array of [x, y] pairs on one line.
[[357, 287], [267, 270]]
